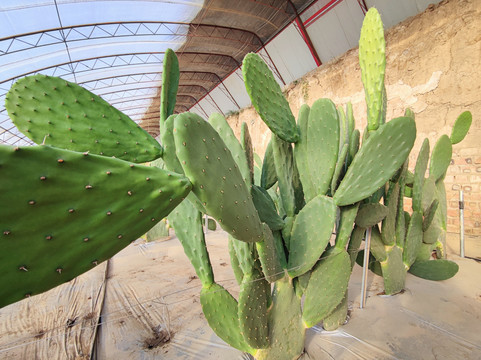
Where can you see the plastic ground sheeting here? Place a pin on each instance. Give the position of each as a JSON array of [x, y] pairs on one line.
[[151, 310]]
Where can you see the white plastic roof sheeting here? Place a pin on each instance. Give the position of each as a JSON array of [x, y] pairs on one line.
[[64, 39]]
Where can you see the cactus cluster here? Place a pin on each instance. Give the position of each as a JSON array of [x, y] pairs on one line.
[[315, 180]]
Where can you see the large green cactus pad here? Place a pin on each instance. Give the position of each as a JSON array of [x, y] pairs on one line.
[[381, 155], [372, 59], [252, 310], [53, 111], [286, 331], [220, 310], [310, 235], [267, 98], [322, 144], [170, 84], [68, 211], [215, 176], [327, 286], [436, 270]]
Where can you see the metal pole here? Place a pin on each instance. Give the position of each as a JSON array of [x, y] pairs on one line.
[[206, 224], [461, 223], [365, 268]]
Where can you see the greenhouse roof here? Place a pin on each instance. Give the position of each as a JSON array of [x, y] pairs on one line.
[[115, 48]]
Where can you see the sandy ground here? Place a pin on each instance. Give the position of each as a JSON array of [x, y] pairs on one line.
[[151, 310]]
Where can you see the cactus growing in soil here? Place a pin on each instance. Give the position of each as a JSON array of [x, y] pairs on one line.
[[405, 240], [279, 236], [314, 175]]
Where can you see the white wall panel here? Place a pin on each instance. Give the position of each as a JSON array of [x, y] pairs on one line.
[[395, 11], [337, 30], [291, 54]]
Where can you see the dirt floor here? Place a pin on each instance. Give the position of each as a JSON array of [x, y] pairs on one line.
[[145, 305]]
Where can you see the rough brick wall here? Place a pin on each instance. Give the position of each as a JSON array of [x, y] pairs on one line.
[[434, 67]]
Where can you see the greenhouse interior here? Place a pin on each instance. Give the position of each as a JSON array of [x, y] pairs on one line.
[[257, 179]]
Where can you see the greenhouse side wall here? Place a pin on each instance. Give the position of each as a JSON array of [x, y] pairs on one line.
[[433, 67]]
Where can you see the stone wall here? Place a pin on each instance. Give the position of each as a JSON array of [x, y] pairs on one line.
[[433, 67]]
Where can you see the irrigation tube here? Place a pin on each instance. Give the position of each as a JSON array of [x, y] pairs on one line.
[[365, 267], [461, 223]]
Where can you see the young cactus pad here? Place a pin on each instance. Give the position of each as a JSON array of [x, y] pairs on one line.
[[68, 211], [53, 111], [267, 98], [372, 59]]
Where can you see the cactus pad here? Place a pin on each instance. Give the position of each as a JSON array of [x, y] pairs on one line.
[[393, 271], [215, 176], [322, 144], [327, 286], [187, 223], [266, 208], [170, 84], [59, 113], [440, 158], [286, 331], [220, 125], [310, 235], [268, 174], [371, 214], [372, 59], [419, 172], [267, 98], [461, 127], [436, 270], [381, 155], [52, 195], [271, 256], [220, 310], [414, 238], [252, 311]]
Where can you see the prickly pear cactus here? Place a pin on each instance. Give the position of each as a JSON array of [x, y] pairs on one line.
[[292, 271], [69, 211], [52, 111]]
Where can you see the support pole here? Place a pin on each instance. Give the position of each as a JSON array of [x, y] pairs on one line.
[[365, 268], [461, 223], [206, 223]]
